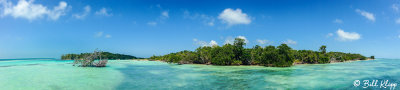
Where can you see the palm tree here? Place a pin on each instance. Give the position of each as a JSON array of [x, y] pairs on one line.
[[322, 49]]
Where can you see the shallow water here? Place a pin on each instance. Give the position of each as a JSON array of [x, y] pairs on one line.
[[139, 75]]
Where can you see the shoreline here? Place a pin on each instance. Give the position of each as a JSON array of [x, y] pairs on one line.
[[294, 64], [335, 61]]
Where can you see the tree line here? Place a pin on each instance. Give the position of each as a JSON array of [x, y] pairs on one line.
[[105, 55], [236, 54]]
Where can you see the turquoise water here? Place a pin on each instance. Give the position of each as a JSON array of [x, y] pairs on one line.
[[153, 75]]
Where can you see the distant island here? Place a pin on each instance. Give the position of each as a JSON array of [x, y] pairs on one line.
[[236, 54], [104, 55]]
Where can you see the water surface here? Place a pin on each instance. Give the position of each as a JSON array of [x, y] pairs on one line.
[[129, 74]]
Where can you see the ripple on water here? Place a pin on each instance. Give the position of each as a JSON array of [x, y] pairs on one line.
[[126, 74]]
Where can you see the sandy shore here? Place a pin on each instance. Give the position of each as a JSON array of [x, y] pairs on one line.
[[332, 62]]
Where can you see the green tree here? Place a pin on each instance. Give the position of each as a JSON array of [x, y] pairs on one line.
[[238, 50], [269, 56], [256, 54], [223, 55], [323, 58], [204, 54], [285, 56], [322, 49], [236, 54]]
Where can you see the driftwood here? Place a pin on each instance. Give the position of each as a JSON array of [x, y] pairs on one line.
[[92, 60], [101, 63]]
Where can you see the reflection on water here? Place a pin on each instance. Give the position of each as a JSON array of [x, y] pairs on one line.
[[127, 74]]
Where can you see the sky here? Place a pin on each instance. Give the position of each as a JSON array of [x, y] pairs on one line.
[[50, 28]]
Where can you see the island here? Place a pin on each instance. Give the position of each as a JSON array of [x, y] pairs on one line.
[[231, 54], [96, 59], [104, 55], [236, 54]]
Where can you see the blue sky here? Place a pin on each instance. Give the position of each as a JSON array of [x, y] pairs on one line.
[[43, 28]]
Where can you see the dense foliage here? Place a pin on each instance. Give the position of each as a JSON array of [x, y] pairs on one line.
[[105, 55], [236, 54]]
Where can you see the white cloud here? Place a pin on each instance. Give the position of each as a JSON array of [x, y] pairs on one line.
[[230, 40], [58, 11], [347, 36], [152, 23], [213, 43], [164, 14], [368, 15], [233, 17], [339, 21], [329, 35], [107, 36], [101, 34], [84, 14], [263, 41], [210, 23], [105, 12], [398, 21], [31, 11], [160, 20], [243, 37], [289, 42], [204, 43], [395, 7], [207, 20]]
